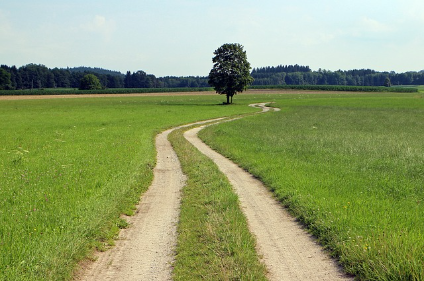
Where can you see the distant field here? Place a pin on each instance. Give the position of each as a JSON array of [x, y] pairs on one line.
[[73, 91], [350, 167], [341, 88], [69, 167]]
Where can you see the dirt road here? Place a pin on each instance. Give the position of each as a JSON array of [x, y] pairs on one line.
[[288, 251], [145, 250]]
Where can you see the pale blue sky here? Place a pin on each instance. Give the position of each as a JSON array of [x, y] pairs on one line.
[[177, 38]]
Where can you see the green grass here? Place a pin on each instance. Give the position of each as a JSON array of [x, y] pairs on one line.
[[350, 167], [341, 88], [214, 242], [69, 91], [70, 167]]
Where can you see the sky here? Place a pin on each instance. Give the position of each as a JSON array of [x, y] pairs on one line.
[[178, 38]]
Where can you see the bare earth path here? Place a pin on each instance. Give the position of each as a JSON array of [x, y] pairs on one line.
[[145, 251], [288, 252]]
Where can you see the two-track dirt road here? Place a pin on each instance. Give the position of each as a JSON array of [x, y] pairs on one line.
[[145, 250], [288, 251]]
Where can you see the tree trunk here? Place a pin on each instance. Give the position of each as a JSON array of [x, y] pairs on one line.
[[228, 99]]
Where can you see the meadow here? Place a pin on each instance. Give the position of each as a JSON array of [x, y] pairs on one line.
[[70, 167], [341, 88], [72, 91], [350, 167]]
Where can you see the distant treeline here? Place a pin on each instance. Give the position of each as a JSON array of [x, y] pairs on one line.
[[140, 79], [302, 75], [36, 76]]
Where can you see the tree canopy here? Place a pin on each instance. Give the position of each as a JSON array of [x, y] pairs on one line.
[[5, 82], [387, 82], [90, 82], [231, 70]]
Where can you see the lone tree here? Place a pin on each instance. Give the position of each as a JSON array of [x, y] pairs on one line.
[[231, 71], [387, 82], [90, 82]]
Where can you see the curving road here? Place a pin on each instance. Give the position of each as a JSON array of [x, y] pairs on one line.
[[288, 251], [145, 250]]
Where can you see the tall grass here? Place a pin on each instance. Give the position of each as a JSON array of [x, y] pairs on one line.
[[350, 167], [70, 167]]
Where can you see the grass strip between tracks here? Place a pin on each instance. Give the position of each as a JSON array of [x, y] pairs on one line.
[[214, 242]]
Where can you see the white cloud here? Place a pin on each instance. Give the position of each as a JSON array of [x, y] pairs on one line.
[[316, 38], [100, 25], [15, 42], [374, 26], [415, 10], [370, 29], [5, 28]]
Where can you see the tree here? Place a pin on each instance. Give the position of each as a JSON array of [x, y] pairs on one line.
[[90, 82], [61, 77], [5, 82], [231, 71], [387, 82], [128, 80]]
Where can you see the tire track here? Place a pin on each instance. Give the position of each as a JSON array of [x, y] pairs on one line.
[[288, 251], [145, 251]]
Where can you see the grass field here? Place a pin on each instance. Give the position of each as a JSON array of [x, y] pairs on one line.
[[342, 88], [73, 91], [69, 167], [351, 167]]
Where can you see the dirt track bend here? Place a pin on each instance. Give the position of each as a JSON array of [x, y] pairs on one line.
[[288, 251], [145, 250]]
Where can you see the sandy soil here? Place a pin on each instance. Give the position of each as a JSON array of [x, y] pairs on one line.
[[288, 251]]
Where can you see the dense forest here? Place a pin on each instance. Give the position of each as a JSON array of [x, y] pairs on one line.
[[36, 76], [302, 75]]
